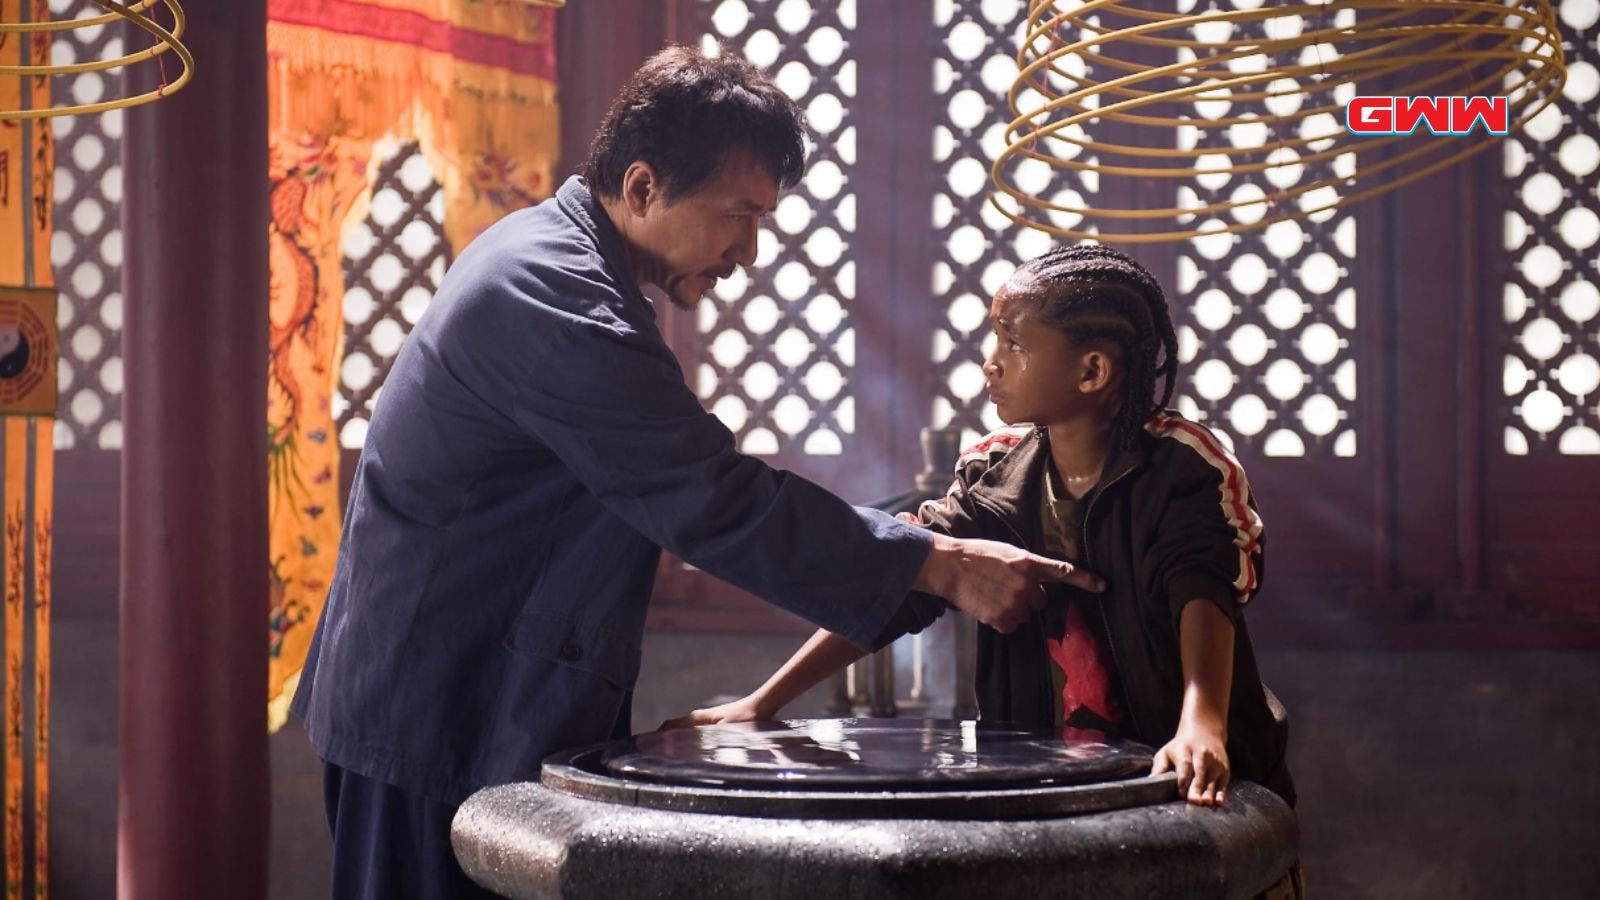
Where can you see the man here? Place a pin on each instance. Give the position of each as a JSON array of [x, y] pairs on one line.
[[534, 449]]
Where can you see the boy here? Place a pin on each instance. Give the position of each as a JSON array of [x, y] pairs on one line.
[[1103, 476]]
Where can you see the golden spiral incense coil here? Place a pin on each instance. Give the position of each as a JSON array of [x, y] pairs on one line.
[[1151, 109], [165, 40]]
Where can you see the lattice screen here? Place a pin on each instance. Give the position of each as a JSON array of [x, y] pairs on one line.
[[780, 337], [974, 67], [1550, 302], [86, 250], [393, 263], [1266, 321]]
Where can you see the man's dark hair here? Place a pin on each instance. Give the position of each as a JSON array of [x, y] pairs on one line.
[[1098, 295], [684, 113]]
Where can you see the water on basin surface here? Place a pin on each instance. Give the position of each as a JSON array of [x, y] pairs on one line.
[[871, 754]]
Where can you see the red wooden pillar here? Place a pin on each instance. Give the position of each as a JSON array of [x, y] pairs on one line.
[[193, 786]]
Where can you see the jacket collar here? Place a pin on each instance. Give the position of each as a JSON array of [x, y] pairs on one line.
[[582, 207], [1013, 486]]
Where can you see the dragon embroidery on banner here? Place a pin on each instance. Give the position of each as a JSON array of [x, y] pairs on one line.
[[316, 182]]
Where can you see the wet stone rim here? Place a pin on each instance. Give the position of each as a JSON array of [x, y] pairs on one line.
[[576, 773]]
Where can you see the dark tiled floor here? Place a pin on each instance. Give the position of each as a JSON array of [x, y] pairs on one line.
[[1422, 775], [1446, 774]]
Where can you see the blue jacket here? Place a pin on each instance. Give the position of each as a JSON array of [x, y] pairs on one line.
[[533, 449]]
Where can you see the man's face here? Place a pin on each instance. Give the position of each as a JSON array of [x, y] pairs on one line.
[[698, 238]]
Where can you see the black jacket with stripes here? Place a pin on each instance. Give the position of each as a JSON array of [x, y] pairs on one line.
[[1172, 521]]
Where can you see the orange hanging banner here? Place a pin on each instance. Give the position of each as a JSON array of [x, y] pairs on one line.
[[29, 349], [472, 84]]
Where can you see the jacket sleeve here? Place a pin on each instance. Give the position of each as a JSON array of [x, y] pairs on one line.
[[608, 399], [953, 514], [1209, 542]]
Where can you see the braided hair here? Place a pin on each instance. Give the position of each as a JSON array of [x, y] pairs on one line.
[[1100, 295]]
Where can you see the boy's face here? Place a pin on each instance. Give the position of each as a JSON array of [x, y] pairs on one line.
[[1034, 373]]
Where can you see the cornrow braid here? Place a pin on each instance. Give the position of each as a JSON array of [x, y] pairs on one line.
[[1095, 293]]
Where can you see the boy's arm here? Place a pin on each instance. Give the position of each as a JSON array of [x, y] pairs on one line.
[[821, 656], [1208, 556], [1198, 752], [824, 654], [953, 515], [1211, 539]]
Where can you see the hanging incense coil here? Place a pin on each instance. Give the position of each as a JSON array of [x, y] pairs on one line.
[[1149, 110], [165, 40]]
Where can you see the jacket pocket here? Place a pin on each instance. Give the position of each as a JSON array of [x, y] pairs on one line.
[[561, 639]]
